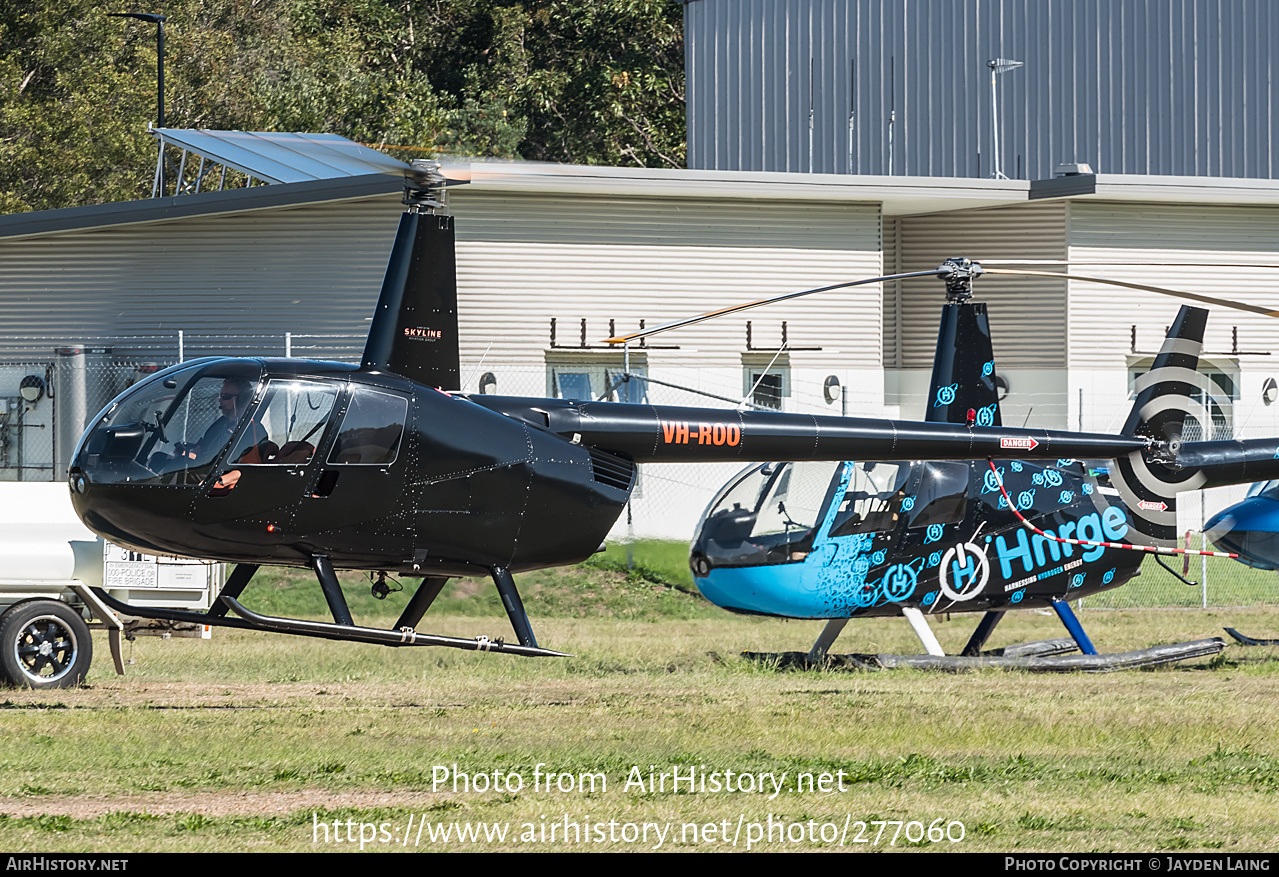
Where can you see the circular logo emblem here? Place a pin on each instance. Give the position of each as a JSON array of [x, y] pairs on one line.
[[970, 568], [899, 582]]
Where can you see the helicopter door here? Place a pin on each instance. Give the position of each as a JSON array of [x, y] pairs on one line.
[[873, 500], [261, 480], [356, 499]]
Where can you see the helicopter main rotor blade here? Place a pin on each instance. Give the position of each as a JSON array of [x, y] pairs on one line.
[[689, 321], [1176, 293], [1114, 264]]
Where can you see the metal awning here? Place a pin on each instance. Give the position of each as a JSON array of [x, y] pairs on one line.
[[275, 156]]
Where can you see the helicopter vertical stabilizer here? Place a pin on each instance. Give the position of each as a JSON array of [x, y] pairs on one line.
[[1170, 397], [963, 378], [414, 330]]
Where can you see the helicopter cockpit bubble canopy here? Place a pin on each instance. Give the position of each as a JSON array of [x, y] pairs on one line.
[[766, 515], [778, 513], [170, 428]]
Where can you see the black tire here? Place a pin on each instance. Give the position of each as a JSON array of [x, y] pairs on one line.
[[44, 644]]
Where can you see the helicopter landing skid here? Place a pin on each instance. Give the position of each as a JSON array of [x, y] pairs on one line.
[[1245, 640], [250, 620], [1026, 656]]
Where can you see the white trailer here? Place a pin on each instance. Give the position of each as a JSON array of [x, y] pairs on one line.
[[49, 561]]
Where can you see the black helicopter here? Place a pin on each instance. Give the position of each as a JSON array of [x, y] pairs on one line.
[[385, 467]]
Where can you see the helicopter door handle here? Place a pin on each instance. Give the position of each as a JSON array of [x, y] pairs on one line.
[[324, 487]]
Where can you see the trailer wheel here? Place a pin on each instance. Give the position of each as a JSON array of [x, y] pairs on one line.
[[44, 644]]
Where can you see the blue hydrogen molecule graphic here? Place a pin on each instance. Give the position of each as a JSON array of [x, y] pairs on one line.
[[1087, 490], [878, 557], [986, 416], [945, 395], [866, 595], [1016, 598], [1076, 580], [1016, 464], [899, 582], [1025, 499], [1109, 576], [934, 533], [991, 483], [929, 599], [934, 559], [908, 503], [988, 368], [1066, 496], [1052, 477]]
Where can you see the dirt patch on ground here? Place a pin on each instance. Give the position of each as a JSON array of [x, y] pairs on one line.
[[119, 694], [213, 803]]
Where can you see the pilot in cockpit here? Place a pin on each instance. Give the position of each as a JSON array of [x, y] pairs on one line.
[[232, 401]]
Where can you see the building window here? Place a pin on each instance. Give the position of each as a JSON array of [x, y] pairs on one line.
[[766, 379], [597, 379]]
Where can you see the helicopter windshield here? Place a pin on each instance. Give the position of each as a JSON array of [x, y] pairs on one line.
[[170, 428], [1266, 489], [767, 515]]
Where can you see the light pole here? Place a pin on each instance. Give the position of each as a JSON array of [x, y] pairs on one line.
[[997, 66], [158, 21]]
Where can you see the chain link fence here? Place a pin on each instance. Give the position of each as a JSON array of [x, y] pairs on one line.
[[46, 401]]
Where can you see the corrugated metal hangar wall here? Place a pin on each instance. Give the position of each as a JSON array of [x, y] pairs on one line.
[[1179, 87]]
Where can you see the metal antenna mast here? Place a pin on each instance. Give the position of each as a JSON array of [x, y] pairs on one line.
[[997, 66]]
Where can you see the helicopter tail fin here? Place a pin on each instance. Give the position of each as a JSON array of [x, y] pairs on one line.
[[1168, 407], [963, 377], [414, 330]]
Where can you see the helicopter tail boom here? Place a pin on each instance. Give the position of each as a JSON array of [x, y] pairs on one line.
[[672, 434]]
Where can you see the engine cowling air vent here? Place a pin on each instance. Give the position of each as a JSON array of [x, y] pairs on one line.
[[612, 470]]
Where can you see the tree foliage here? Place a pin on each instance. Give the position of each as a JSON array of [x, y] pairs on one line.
[[598, 82]]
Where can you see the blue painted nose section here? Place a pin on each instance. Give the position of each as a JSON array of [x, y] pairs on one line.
[[1249, 529]]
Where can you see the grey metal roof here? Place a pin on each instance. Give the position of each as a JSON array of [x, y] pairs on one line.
[[65, 219], [283, 156]]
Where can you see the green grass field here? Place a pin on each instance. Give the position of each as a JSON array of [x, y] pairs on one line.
[[251, 741]]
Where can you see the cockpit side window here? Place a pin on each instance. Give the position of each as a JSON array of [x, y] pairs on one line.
[[941, 496], [371, 430], [287, 426]]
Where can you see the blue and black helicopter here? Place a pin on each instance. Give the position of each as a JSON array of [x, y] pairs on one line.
[[859, 538]]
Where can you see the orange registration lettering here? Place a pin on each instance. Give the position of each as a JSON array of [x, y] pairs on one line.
[[703, 433], [681, 434], [734, 435]]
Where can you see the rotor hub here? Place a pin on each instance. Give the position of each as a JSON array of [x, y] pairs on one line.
[[959, 273], [424, 185]]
